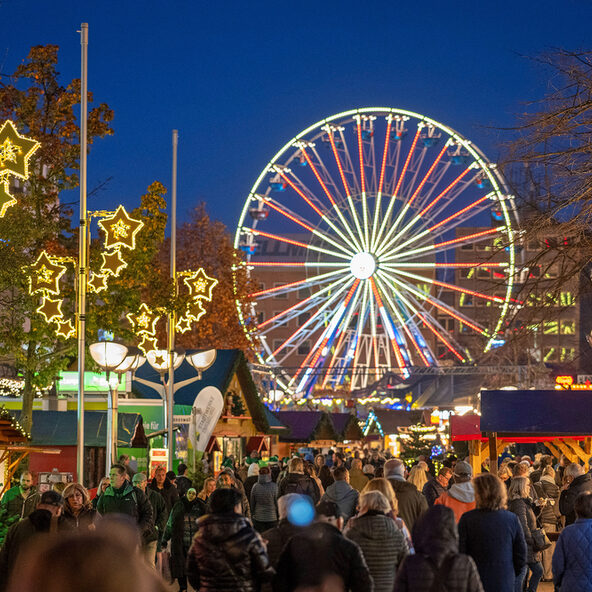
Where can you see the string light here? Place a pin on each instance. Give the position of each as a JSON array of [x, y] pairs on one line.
[[120, 230], [6, 199], [200, 285]]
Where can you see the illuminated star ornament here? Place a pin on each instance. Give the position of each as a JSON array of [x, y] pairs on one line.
[[45, 275], [200, 285], [148, 343], [195, 310], [65, 329], [6, 199], [50, 309], [112, 264], [120, 230], [15, 151], [144, 321], [97, 282], [183, 324]]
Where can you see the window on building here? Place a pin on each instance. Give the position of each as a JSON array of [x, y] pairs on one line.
[[483, 273], [302, 318], [568, 327], [447, 323], [533, 245], [304, 348], [567, 354], [261, 317], [466, 247], [567, 299], [484, 246], [304, 292], [463, 273], [281, 295], [277, 343], [465, 300]]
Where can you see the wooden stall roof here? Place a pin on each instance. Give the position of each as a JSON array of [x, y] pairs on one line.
[[11, 431], [306, 426], [347, 426]]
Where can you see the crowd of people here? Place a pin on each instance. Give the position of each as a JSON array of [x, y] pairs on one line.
[[324, 522]]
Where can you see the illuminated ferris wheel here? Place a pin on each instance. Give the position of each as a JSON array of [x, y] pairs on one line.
[[379, 240]]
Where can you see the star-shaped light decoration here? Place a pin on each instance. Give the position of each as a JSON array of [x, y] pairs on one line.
[[97, 282], [45, 275], [148, 343], [183, 324], [195, 310], [120, 230], [112, 264], [15, 151], [65, 329], [200, 285], [144, 321], [6, 199], [50, 309]]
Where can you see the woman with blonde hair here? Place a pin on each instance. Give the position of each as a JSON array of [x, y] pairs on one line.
[[78, 510], [381, 484], [209, 486], [418, 477]]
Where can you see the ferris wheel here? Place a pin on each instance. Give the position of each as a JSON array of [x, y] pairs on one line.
[[379, 240]]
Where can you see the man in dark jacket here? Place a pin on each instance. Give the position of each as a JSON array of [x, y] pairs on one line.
[[322, 558], [152, 536], [183, 483], [21, 499], [578, 482], [227, 553], [121, 497], [42, 520], [342, 493], [411, 502], [438, 485], [297, 482], [165, 488]]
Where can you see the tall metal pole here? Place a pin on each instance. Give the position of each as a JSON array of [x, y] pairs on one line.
[[170, 394], [82, 251]]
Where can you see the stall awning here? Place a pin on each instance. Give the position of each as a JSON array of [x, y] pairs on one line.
[[258, 444], [213, 445]]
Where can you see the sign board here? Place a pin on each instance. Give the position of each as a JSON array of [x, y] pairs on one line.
[[205, 413], [158, 457], [93, 382], [181, 419], [584, 378]]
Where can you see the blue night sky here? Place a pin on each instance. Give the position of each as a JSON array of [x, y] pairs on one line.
[[239, 79]]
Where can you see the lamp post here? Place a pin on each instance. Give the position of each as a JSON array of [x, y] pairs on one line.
[[117, 358]]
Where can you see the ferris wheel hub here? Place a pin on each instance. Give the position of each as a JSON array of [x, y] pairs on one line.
[[363, 265]]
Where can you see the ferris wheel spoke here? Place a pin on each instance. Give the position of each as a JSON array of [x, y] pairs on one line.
[[441, 306], [306, 264], [394, 196], [349, 163], [343, 255], [310, 281], [337, 210], [297, 219], [363, 182], [435, 265], [377, 204], [354, 351]]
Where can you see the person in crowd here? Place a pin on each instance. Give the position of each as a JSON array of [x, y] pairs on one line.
[[411, 502], [90, 561], [121, 497], [42, 520], [227, 480], [264, 501], [545, 461], [460, 498], [321, 558], [296, 481], [357, 478], [252, 478], [78, 510], [59, 487], [277, 537], [151, 536], [319, 462], [548, 492], [492, 536], [326, 477], [338, 460], [172, 477], [311, 470], [368, 471], [162, 485], [560, 469], [418, 476], [20, 500], [521, 504], [227, 553], [505, 474], [103, 484], [180, 530], [182, 483], [124, 460], [437, 485], [376, 460], [209, 486], [572, 568], [576, 481], [383, 544], [437, 563], [382, 485], [342, 493]]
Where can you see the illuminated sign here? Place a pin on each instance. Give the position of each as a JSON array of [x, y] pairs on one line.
[[564, 381]]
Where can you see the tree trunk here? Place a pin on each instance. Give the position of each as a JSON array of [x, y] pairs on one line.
[[28, 396]]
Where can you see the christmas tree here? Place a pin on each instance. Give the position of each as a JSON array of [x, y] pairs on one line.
[[417, 440]]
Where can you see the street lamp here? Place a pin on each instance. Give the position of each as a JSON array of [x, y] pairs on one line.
[[201, 360], [109, 355]]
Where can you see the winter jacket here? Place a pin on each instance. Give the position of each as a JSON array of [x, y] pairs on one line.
[[264, 500], [14, 504], [299, 483], [169, 493], [547, 489], [572, 568], [127, 500], [180, 530], [522, 508], [432, 490], [318, 552], [460, 498], [437, 558], [357, 479], [580, 484], [159, 516], [494, 539], [277, 537], [411, 502], [83, 521], [383, 546], [227, 555], [249, 482], [183, 483], [345, 496]]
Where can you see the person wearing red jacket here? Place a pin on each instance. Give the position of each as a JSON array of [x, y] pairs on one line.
[[460, 498]]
